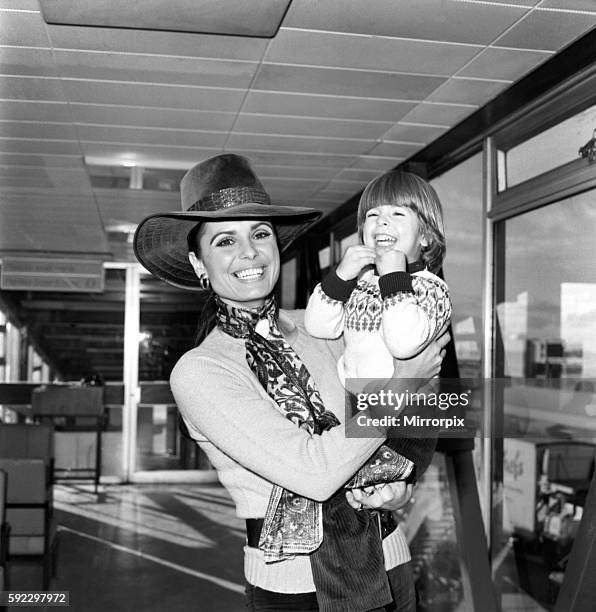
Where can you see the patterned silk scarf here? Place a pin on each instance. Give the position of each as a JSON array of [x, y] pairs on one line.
[[294, 524]]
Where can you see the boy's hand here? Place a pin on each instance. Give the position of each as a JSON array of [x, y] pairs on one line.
[[389, 260], [355, 258]]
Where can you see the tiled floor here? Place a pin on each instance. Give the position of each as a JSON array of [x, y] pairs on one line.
[[145, 547]]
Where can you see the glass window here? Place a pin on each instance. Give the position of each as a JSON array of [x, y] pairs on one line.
[[548, 150], [288, 284], [547, 352], [460, 192]]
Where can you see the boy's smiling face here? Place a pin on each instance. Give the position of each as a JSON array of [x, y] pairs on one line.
[[396, 227]]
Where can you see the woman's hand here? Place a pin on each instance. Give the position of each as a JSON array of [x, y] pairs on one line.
[[355, 258], [427, 364], [390, 496]]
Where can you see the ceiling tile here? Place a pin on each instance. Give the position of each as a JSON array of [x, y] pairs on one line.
[[61, 180], [50, 161], [368, 52], [355, 83], [467, 91], [396, 150], [570, 5], [294, 143], [163, 96], [288, 158], [375, 162], [225, 17], [23, 30], [42, 147], [27, 62], [26, 5], [154, 69], [357, 175], [37, 130], [53, 223], [414, 133], [495, 63], [547, 30], [157, 43], [26, 88], [303, 126], [129, 206], [303, 172], [438, 114], [425, 19], [325, 106], [152, 117], [23, 110], [174, 138]]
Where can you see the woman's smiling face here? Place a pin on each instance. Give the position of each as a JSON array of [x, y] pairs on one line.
[[241, 259]]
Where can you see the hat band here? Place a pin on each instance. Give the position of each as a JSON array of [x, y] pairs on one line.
[[232, 196]]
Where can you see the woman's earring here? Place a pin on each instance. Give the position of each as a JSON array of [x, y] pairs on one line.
[[204, 282]]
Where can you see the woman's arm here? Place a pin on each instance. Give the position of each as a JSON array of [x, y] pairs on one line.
[[225, 404]]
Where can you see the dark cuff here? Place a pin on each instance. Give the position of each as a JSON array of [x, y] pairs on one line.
[[336, 288], [395, 282]]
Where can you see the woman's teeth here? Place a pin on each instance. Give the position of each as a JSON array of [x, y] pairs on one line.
[[250, 273]]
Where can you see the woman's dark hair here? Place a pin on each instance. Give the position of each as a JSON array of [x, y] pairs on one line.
[[207, 316]]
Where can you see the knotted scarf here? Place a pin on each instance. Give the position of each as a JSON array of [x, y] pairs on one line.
[[294, 524]]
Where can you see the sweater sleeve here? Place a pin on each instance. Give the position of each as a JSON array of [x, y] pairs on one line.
[[220, 402], [325, 312], [415, 308]]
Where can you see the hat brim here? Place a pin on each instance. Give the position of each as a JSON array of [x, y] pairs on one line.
[[160, 240]]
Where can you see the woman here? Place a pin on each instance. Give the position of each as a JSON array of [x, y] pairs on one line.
[[262, 399]]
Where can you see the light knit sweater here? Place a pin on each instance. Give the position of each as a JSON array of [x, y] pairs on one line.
[[252, 445], [394, 316]]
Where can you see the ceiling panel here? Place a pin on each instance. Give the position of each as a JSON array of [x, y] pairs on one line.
[[227, 17], [27, 62], [467, 91], [61, 180], [570, 5], [404, 132], [148, 136], [45, 147], [379, 163], [37, 129], [547, 30], [157, 43], [42, 161], [345, 82], [31, 89], [24, 110], [435, 113], [397, 150], [23, 30], [463, 22], [53, 224], [509, 64], [337, 128], [289, 158], [154, 69], [314, 171], [163, 96], [295, 143], [325, 106], [368, 52]]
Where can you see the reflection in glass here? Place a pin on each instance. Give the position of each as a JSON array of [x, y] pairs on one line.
[[546, 316]]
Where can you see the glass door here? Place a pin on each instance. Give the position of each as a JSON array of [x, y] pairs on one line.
[[545, 354]]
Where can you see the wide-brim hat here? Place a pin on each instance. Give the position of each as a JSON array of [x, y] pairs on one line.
[[221, 188]]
